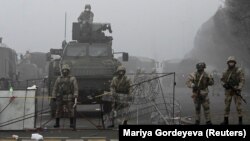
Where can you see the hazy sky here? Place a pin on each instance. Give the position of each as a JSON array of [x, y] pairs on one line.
[[160, 29]]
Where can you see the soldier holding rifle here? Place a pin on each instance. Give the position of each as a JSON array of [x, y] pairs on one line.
[[199, 81], [233, 80]]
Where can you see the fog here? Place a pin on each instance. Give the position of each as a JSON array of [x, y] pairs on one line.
[[159, 29]]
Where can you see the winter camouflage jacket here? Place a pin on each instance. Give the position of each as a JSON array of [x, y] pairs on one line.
[[120, 85], [202, 81], [234, 76], [65, 88]]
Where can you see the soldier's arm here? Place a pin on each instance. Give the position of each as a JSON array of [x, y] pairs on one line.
[[55, 88], [242, 79], [91, 18], [112, 86], [75, 84], [190, 81], [223, 79], [80, 19], [129, 87]]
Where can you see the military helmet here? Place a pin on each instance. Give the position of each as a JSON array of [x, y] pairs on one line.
[[87, 6], [121, 68], [231, 59], [65, 67], [200, 65]]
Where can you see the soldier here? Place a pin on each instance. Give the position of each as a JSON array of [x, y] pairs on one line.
[[86, 16], [120, 85], [86, 20], [232, 80], [199, 82], [65, 93]]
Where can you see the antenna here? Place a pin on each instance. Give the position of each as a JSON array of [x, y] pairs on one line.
[[65, 24]]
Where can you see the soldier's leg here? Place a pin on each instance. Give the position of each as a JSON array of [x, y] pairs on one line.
[[113, 114], [58, 114], [57, 124], [72, 122], [237, 101], [71, 113], [120, 110], [228, 99], [206, 108], [126, 114], [197, 105], [123, 112]]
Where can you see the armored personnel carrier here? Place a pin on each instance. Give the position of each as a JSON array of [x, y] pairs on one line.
[[91, 59]]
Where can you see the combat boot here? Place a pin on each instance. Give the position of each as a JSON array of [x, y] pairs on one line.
[[57, 125], [225, 122], [72, 124], [112, 124], [209, 123], [240, 121], [125, 122], [197, 122]]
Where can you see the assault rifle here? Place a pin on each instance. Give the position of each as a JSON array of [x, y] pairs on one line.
[[196, 90], [237, 92]]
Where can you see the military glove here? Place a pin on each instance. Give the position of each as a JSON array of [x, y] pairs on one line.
[[192, 85], [195, 88], [53, 99], [237, 91], [226, 86]]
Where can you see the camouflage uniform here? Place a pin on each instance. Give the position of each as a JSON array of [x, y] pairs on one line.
[[232, 80], [86, 16], [199, 82], [65, 91], [120, 85]]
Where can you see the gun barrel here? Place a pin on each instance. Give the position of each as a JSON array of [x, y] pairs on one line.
[[238, 94]]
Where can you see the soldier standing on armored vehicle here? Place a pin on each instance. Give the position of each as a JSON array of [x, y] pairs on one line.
[[120, 85], [86, 20], [86, 16], [199, 82], [232, 80], [65, 93]]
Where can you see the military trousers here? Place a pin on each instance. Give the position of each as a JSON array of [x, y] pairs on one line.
[[229, 95], [120, 107], [202, 100], [64, 109]]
